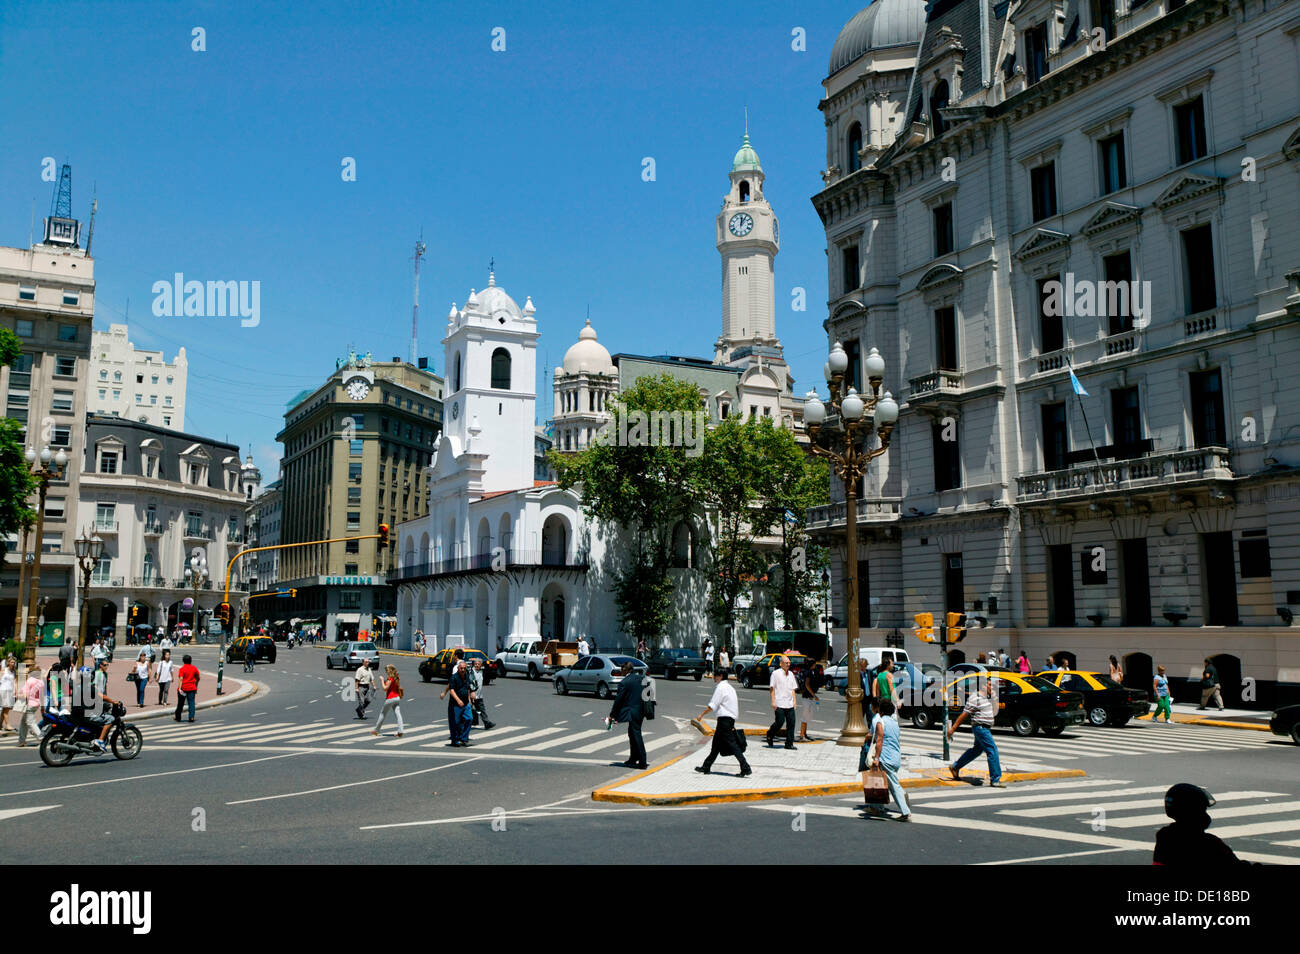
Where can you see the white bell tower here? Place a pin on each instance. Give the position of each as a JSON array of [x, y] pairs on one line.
[[748, 238]]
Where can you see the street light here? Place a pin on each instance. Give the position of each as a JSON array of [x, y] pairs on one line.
[[44, 474], [846, 444], [89, 551]]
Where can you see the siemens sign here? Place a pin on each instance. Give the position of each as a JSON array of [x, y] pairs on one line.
[[350, 580]]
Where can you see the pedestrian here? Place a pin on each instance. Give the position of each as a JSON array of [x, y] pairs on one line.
[[188, 692], [163, 675], [476, 693], [629, 707], [708, 656], [8, 690], [56, 696], [781, 690], [33, 695], [1062, 664], [250, 657], [583, 648], [640, 649], [724, 661], [1185, 843], [884, 751], [460, 708], [883, 687], [364, 684], [1116, 672], [142, 672], [1003, 659], [393, 693], [1049, 666], [726, 739], [1210, 686], [981, 706], [1164, 702], [165, 642], [808, 701], [67, 654], [1023, 663], [419, 642], [983, 659], [591, 646]]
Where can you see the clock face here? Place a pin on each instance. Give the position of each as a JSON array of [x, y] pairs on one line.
[[358, 388], [742, 223], [455, 410]]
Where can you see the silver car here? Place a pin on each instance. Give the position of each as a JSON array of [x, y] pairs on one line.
[[351, 655], [597, 673]]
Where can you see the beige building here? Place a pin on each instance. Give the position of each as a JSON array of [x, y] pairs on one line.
[[47, 298], [355, 453], [140, 385]]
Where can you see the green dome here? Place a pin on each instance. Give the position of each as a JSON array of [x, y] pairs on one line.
[[746, 158]]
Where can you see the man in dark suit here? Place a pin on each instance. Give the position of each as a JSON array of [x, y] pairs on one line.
[[628, 708]]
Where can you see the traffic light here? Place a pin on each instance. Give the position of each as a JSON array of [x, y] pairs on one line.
[[223, 614], [924, 626], [135, 611], [293, 592], [956, 625], [383, 535]]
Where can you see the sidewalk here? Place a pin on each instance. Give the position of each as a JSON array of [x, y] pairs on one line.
[[1188, 713], [235, 690], [812, 769]]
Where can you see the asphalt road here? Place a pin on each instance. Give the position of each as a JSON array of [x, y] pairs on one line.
[[291, 775]]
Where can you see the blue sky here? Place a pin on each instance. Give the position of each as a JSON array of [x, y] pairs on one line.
[[225, 165]]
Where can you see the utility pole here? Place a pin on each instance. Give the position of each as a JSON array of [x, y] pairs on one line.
[[415, 311]]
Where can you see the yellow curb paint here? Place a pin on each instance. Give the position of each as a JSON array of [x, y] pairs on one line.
[[1220, 723]]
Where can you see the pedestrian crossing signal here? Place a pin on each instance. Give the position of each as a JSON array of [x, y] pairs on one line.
[[956, 625], [383, 535], [924, 626]]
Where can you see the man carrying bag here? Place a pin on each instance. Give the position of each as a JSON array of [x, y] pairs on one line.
[[726, 739]]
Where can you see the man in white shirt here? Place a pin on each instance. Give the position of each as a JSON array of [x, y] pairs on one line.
[[364, 684], [726, 740], [981, 706], [583, 648], [708, 657], [783, 685]]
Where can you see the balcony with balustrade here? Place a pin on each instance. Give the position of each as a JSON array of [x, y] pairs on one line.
[[102, 525], [483, 563], [869, 510], [934, 387], [152, 528], [1154, 470], [194, 531]]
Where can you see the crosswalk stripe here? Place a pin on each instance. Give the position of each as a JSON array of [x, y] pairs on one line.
[[1240, 811], [1087, 807], [616, 738], [661, 742], [327, 733], [1056, 797], [259, 734], [501, 743], [1293, 843], [197, 735], [1259, 828], [495, 733], [410, 735], [548, 743], [929, 794]]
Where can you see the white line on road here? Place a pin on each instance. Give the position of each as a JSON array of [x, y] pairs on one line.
[[926, 794], [136, 778], [585, 714], [550, 743], [499, 743], [287, 708], [533, 813], [1058, 797], [1068, 854], [15, 812], [1241, 811], [1087, 807], [1262, 828], [368, 781]]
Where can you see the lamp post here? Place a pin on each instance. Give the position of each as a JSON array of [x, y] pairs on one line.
[[197, 575], [845, 442], [826, 605], [44, 473], [89, 551]]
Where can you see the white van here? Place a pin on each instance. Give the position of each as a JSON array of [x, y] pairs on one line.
[[838, 674]]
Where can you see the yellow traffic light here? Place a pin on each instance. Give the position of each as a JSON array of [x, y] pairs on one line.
[[383, 535], [924, 626], [293, 592], [956, 625]]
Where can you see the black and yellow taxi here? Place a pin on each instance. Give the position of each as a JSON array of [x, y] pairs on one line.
[[760, 673], [263, 648], [440, 665], [1025, 703], [1104, 699]]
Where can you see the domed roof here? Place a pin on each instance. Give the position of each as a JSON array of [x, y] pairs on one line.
[[493, 300], [746, 159], [884, 23], [588, 354]]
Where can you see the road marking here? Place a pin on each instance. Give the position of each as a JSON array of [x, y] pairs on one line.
[[501, 743], [496, 732], [661, 742], [534, 813], [1241, 811], [927, 794], [15, 812], [585, 714], [1262, 828], [615, 738], [1087, 807], [368, 781], [1057, 797], [551, 743], [562, 722], [411, 734], [287, 708], [1068, 854], [135, 778]]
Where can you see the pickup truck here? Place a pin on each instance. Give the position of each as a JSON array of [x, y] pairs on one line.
[[524, 657], [810, 644]]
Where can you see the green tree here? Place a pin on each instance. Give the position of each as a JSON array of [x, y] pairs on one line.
[[634, 479], [16, 480]]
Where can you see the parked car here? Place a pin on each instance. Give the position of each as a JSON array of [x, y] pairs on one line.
[[439, 666], [350, 655], [597, 673], [837, 676], [1025, 703], [1104, 699], [1286, 721], [524, 657], [962, 668], [908, 682], [676, 662], [760, 673], [263, 648]]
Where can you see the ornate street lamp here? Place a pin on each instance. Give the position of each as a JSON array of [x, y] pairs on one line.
[[89, 552], [51, 467], [845, 440]]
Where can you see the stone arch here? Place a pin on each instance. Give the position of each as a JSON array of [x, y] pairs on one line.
[[852, 159], [554, 610], [1229, 668], [505, 538], [744, 190], [426, 552], [482, 618], [483, 542], [1064, 655], [501, 370], [1139, 671], [501, 618], [556, 534], [683, 545]]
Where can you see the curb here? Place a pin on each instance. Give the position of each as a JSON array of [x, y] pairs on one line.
[[247, 690], [1220, 723]]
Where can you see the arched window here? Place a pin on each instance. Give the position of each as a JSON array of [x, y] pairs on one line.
[[501, 370], [683, 545], [853, 161], [938, 101], [455, 375], [744, 190], [148, 567]]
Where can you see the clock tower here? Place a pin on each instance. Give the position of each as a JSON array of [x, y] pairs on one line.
[[748, 238]]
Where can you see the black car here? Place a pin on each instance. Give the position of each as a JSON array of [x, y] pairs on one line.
[[1025, 704], [676, 662], [760, 674], [1106, 701], [1286, 721]]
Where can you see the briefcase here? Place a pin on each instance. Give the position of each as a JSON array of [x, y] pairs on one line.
[[875, 787]]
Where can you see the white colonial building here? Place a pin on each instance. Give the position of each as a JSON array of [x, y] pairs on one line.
[[126, 381]]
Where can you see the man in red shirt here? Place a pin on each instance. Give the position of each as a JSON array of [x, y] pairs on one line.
[[189, 679]]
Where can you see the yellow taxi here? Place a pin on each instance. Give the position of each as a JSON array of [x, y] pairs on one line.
[[439, 665], [1106, 701], [1025, 703]]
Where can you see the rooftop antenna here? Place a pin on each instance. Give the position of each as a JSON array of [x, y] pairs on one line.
[[61, 201], [94, 207], [746, 120], [420, 248]]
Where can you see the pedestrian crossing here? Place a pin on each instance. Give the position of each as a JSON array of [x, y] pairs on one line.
[[1090, 742], [559, 739]]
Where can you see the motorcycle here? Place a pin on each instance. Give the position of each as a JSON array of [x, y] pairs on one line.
[[64, 738]]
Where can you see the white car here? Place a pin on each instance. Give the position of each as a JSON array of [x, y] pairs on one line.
[[838, 675], [524, 657]]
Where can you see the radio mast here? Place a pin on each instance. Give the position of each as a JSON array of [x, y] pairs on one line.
[[415, 311]]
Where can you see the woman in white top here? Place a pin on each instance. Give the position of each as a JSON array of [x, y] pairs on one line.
[[164, 676], [8, 689], [141, 678]]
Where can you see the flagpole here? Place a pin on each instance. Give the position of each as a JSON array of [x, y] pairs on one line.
[[1077, 386]]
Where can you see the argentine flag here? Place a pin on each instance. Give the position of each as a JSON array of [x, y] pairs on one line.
[[1074, 383]]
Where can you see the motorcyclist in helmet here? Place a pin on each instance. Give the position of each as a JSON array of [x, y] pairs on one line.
[[85, 697], [1186, 843]]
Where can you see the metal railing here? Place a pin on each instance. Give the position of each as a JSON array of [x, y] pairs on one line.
[[105, 526], [197, 533], [868, 510], [484, 562], [1157, 468], [153, 528], [113, 581]]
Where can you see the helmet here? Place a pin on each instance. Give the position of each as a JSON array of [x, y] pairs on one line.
[[1184, 801], [119, 709]]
